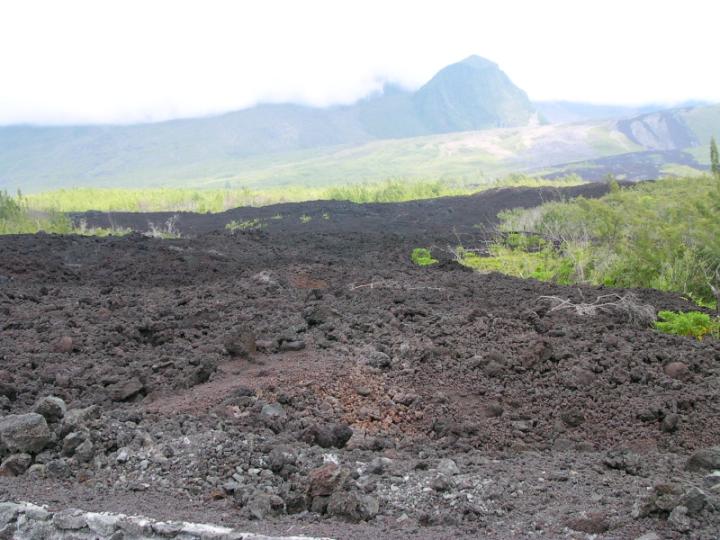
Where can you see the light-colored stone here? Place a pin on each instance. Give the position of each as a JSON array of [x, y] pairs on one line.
[[71, 519], [102, 523], [24, 433], [26, 520]]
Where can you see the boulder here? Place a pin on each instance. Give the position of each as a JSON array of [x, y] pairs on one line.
[[24, 433], [52, 408], [240, 344], [353, 506], [262, 505], [15, 465], [325, 480], [707, 459], [125, 390], [329, 435]]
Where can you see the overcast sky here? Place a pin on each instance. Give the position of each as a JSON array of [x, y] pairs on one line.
[[146, 60]]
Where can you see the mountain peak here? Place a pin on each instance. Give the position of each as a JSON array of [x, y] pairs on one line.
[[472, 94], [477, 62]]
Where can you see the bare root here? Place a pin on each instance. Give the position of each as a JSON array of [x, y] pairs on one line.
[[629, 306]]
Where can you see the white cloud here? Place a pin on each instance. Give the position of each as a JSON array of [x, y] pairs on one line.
[[124, 61]]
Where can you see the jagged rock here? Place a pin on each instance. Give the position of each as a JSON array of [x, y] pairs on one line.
[[572, 417], [448, 467], [261, 505], [317, 315], [69, 520], [694, 500], [679, 520], [353, 506], [72, 441], [670, 423], [677, 370], [24, 433], [329, 435], [280, 457], [51, 407], [707, 459], [77, 418], [624, 460], [15, 465], [241, 344], [272, 410], [378, 465], [8, 390], [378, 359], [325, 480], [287, 346], [102, 523], [125, 390], [65, 344]]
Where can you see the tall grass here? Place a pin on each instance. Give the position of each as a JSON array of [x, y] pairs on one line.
[[219, 200], [662, 235], [16, 217]]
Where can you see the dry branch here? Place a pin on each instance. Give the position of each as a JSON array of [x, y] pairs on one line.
[[629, 306]]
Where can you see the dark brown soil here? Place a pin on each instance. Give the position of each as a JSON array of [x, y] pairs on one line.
[[557, 422]]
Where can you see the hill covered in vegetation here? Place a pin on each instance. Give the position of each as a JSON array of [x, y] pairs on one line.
[[468, 123]]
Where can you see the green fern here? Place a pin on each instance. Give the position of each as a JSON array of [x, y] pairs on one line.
[[690, 323]]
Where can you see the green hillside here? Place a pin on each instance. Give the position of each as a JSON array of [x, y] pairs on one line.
[[228, 146], [469, 122]]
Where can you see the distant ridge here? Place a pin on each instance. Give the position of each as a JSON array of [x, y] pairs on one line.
[[471, 94], [469, 122]]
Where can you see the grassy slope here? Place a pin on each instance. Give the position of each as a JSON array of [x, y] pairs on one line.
[[134, 157], [218, 200]]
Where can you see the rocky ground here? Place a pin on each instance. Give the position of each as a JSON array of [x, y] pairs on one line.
[[314, 381]]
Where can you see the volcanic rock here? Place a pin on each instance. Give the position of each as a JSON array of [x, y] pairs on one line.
[[51, 407], [707, 459], [24, 433], [353, 506], [15, 465]]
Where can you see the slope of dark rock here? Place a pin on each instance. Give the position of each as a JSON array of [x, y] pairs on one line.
[[318, 382]]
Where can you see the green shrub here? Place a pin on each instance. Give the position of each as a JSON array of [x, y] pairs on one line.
[[663, 235], [422, 257], [247, 225], [17, 218], [690, 323]]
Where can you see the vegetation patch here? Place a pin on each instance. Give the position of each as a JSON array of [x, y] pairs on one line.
[[16, 217], [690, 323], [219, 200], [422, 257], [663, 235], [247, 225]]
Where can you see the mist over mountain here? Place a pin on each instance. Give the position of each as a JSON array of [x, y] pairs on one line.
[[560, 112], [472, 94], [469, 121]]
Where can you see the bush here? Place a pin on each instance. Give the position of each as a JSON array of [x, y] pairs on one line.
[[690, 323], [663, 235], [422, 257], [17, 218]]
